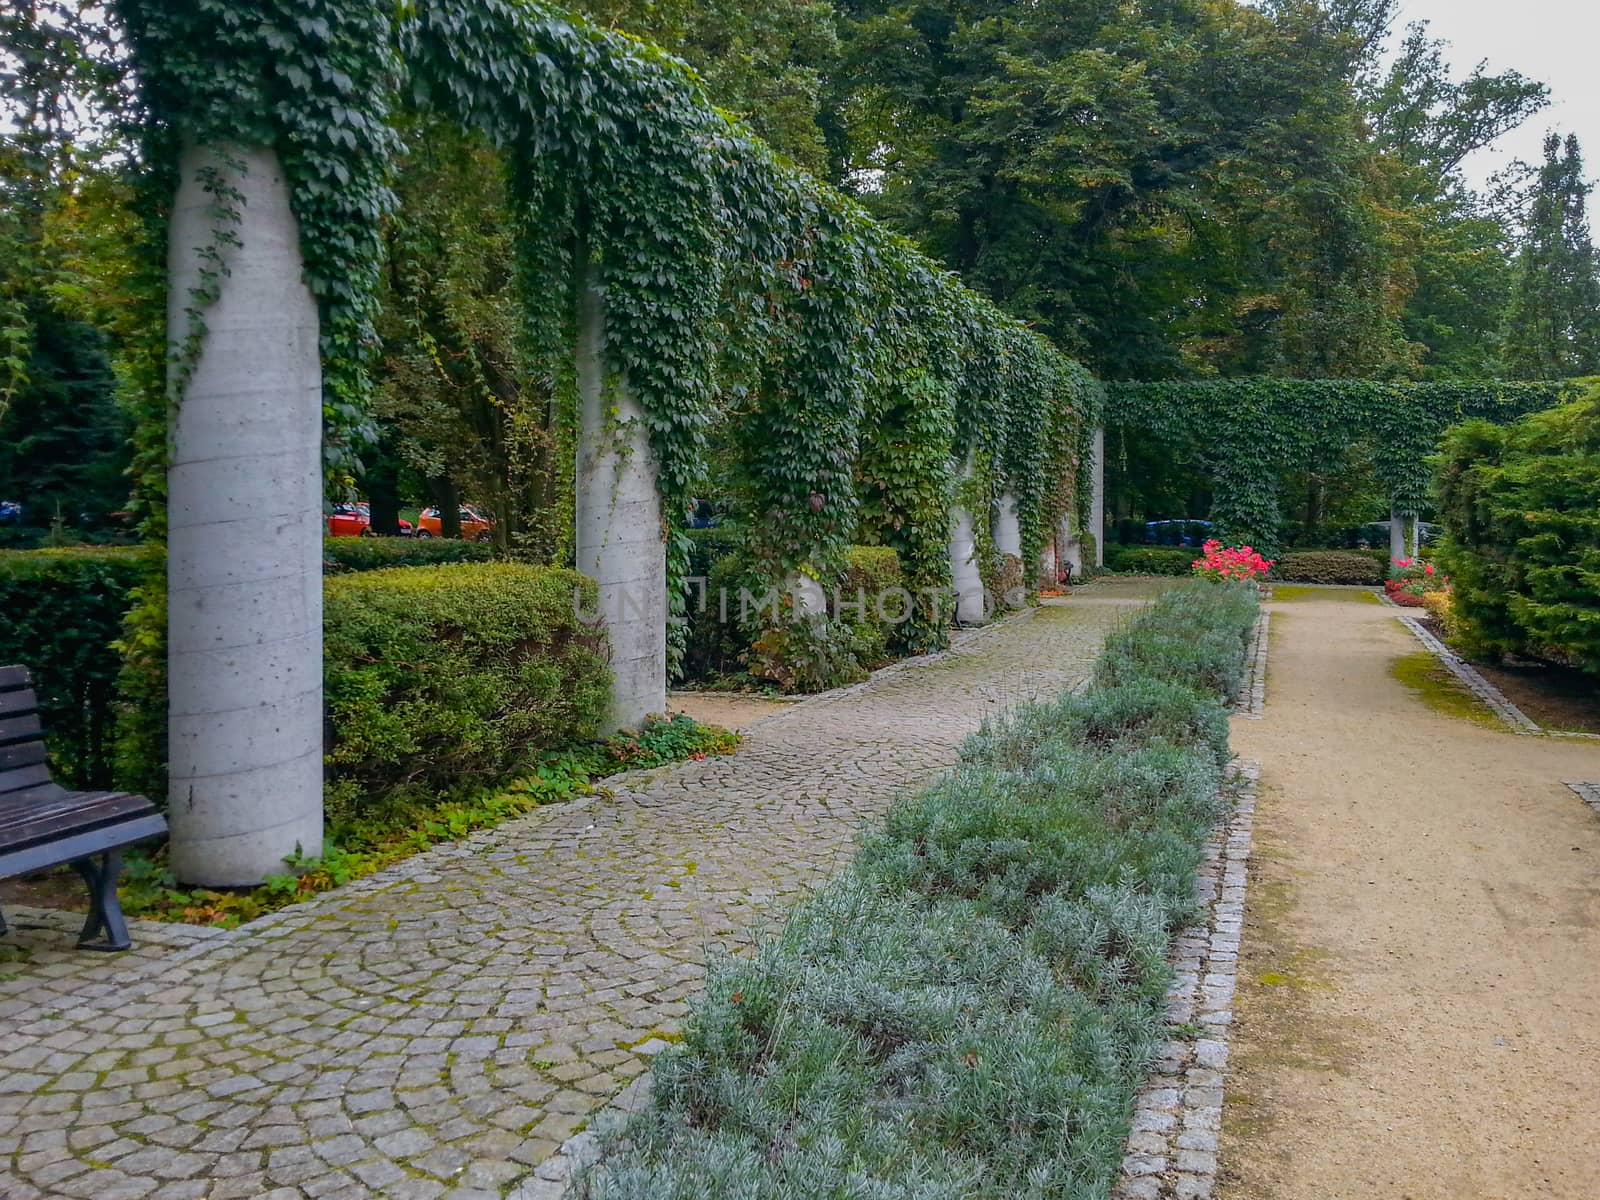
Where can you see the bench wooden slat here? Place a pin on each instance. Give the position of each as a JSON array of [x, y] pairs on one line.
[[80, 845], [22, 754], [14, 704], [14, 677], [23, 778], [20, 729], [69, 813]]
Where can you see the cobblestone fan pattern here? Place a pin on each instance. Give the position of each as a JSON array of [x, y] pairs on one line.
[[440, 1029], [1177, 1120]]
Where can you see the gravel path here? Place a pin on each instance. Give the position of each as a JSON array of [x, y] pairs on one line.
[[440, 1029], [1419, 1010]]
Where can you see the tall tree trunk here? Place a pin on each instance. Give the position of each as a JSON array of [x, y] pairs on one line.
[[244, 544], [448, 499]]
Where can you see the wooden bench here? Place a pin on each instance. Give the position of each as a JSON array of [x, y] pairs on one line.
[[44, 825]]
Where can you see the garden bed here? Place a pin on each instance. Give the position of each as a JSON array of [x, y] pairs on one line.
[[972, 1006]]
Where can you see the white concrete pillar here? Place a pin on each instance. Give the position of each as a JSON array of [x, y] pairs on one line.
[[1008, 541], [1007, 527], [966, 577], [810, 597], [1097, 515], [244, 536], [1071, 547], [620, 533], [1397, 535], [1416, 536]]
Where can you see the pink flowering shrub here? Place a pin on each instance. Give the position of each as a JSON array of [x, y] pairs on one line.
[[1231, 562], [1411, 581]]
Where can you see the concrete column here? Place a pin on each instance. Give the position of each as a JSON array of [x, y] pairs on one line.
[[244, 540], [970, 607], [1416, 536], [620, 534], [1097, 516], [1397, 535], [810, 597], [1049, 563], [1008, 541], [1071, 547], [1007, 527]]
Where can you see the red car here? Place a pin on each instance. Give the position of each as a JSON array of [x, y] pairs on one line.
[[355, 520]]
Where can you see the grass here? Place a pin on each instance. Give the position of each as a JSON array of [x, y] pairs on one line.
[[1431, 682], [969, 1009], [149, 890], [1283, 593]]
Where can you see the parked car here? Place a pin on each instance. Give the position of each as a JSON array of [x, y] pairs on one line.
[[475, 526], [1176, 533], [10, 512], [355, 520]]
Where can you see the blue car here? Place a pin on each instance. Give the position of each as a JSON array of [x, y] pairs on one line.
[[10, 512], [1176, 533]]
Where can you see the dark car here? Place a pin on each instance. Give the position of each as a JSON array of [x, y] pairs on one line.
[[1177, 533]]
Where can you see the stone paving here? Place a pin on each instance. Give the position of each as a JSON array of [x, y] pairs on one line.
[[440, 1029]]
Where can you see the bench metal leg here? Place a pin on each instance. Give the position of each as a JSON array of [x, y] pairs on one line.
[[105, 910]]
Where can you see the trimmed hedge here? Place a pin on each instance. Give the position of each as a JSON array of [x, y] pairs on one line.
[[1355, 567], [478, 668], [63, 611], [340, 555], [1150, 560], [1521, 509], [971, 1007], [442, 679]]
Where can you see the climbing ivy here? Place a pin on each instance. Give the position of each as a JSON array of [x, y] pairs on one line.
[[1248, 432], [734, 284]]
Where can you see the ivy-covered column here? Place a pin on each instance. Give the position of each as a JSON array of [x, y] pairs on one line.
[[1008, 541], [966, 575], [1097, 511], [1070, 547], [620, 535], [244, 543], [1397, 535]]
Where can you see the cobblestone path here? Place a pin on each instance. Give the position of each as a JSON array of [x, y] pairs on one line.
[[439, 1029]]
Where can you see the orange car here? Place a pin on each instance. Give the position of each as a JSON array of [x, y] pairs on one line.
[[475, 527]]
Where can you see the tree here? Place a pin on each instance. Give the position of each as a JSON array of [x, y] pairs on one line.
[[1166, 188], [1553, 329], [456, 399]]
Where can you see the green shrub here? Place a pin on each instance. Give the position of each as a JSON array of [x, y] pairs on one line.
[[63, 610], [444, 678], [1150, 560], [1356, 567], [805, 654], [1521, 509], [969, 1009], [340, 555]]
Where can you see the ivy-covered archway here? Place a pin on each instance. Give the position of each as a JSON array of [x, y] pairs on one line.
[[674, 269]]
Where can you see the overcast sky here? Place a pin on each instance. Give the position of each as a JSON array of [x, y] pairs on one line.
[[1554, 41]]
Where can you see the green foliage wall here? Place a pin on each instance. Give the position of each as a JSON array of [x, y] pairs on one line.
[[735, 284], [1248, 432], [62, 611], [1521, 508]]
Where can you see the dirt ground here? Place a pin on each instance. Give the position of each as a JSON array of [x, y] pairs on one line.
[[730, 711], [1419, 1009]]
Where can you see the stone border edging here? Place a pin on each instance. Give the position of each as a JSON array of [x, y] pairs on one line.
[[1589, 793], [1514, 717], [1251, 702], [1177, 1119]]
